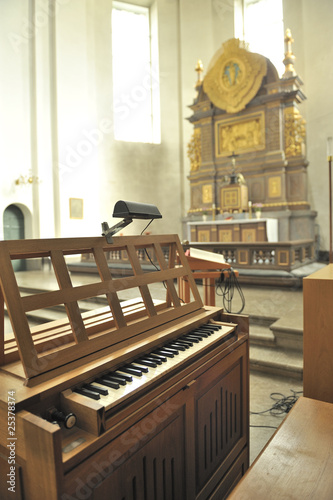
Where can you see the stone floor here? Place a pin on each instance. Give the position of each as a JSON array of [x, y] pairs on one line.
[[263, 425], [277, 304]]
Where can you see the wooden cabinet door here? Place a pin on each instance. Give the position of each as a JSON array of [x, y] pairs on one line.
[[221, 415], [147, 462]]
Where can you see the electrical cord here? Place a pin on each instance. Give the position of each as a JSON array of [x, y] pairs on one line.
[[145, 249], [283, 404], [148, 256], [225, 287]]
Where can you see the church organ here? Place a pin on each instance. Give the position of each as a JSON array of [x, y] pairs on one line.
[[140, 399]]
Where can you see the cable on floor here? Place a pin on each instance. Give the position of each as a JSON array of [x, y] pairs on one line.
[[283, 404]]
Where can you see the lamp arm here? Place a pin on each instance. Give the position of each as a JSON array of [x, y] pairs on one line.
[[108, 232]]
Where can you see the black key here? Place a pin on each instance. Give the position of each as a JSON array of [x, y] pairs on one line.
[[147, 362], [108, 383], [88, 393], [131, 371], [189, 343], [170, 349], [208, 329], [164, 353], [201, 334], [116, 378], [128, 378], [178, 347], [184, 345], [154, 359], [215, 327], [159, 356], [143, 369], [99, 390], [192, 339], [195, 336], [196, 333]]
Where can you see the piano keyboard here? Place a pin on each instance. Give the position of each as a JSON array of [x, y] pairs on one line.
[[115, 386]]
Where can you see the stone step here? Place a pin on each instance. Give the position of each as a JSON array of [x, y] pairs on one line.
[[262, 336], [276, 345], [288, 332], [262, 320], [285, 332], [277, 361]]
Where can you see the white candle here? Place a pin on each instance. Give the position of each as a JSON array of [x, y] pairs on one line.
[[329, 148]]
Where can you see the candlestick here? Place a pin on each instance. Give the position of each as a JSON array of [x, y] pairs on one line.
[[329, 159], [213, 211]]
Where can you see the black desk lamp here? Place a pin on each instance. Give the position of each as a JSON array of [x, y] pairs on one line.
[[129, 210]]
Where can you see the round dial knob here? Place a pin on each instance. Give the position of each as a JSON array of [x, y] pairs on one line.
[[68, 420]]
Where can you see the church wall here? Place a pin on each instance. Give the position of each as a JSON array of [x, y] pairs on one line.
[[318, 78], [15, 110], [205, 24], [61, 118], [310, 24], [57, 120], [151, 172]]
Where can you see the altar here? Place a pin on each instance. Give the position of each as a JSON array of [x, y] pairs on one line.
[[233, 230], [248, 152]]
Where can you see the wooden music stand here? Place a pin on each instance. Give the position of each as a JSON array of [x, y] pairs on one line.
[[33, 352]]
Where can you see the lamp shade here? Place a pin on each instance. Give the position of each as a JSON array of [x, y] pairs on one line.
[[134, 210]]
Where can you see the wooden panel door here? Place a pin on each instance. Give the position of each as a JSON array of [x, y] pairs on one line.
[[221, 411], [147, 462], [156, 471]]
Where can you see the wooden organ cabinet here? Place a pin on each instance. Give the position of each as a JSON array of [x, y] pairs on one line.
[[140, 399], [317, 335]]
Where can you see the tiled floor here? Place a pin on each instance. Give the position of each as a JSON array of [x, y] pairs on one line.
[[260, 301]]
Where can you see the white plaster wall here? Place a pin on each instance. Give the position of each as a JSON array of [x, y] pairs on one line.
[[150, 172], [79, 131], [204, 26], [56, 108], [15, 144], [311, 23]]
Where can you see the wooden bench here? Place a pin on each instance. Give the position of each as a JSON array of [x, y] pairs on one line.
[[297, 462]]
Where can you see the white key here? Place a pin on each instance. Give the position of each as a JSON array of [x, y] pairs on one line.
[[116, 396]]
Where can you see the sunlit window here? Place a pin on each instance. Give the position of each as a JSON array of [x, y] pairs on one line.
[[135, 76], [261, 26]]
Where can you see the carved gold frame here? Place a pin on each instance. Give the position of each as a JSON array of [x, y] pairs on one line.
[[240, 135]]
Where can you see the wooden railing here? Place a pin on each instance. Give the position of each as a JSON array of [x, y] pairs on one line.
[[283, 256], [263, 255]]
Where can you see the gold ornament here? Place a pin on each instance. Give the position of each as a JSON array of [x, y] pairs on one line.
[[235, 77], [240, 136], [194, 150], [294, 132]]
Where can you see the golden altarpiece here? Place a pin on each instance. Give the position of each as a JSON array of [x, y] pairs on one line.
[[248, 127], [244, 111]]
